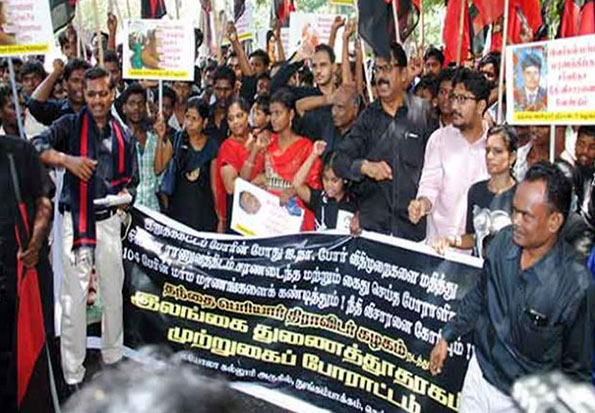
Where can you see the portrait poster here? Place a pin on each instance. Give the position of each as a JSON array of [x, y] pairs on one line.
[[158, 50], [551, 83], [25, 27], [308, 30], [256, 212]]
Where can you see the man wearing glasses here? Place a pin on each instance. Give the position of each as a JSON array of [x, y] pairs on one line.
[[454, 160], [383, 153]]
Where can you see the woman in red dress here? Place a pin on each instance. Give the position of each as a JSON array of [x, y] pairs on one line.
[[285, 155], [234, 160]]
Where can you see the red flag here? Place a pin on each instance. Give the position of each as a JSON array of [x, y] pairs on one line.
[[569, 21], [587, 25], [489, 12], [33, 388], [450, 35], [282, 9], [152, 9]]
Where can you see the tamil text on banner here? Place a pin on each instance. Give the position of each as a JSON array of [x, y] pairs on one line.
[[307, 30], [25, 27], [158, 49], [344, 323], [551, 83], [256, 212]]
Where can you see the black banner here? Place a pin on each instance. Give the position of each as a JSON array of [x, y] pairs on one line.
[[344, 323]]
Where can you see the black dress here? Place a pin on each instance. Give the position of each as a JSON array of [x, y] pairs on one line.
[[192, 202]]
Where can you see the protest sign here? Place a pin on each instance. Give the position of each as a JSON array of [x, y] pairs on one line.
[[158, 50], [308, 30], [551, 83], [342, 2], [341, 322], [245, 24], [25, 27], [256, 212]]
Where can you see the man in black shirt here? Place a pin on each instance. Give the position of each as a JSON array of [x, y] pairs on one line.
[[533, 309], [100, 160], [224, 80], [8, 113], [384, 152], [46, 110]]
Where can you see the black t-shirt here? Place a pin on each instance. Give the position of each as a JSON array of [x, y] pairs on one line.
[[480, 196], [326, 210]]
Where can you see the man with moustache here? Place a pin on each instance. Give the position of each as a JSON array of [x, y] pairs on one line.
[[533, 308], [224, 81], [454, 160], [100, 160], [383, 153]]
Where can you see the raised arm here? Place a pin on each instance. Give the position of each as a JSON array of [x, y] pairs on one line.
[[43, 92], [345, 64], [337, 24], [232, 35], [300, 178], [112, 28]]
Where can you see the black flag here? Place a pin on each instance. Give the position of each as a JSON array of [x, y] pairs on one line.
[[62, 12]]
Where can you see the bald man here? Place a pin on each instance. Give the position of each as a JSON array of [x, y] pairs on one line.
[[345, 109]]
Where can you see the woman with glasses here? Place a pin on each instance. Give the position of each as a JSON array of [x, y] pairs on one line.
[[489, 202]]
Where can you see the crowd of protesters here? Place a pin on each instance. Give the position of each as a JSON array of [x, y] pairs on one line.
[[416, 152]]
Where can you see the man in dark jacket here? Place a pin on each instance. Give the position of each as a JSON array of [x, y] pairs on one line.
[[384, 152]]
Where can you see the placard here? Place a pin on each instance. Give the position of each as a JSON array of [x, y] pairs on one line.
[[311, 29], [551, 83], [256, 212], [158, 49], [25, 27]]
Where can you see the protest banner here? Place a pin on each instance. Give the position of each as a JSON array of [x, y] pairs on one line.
[[158, 50], [343, 323], [551, 83], [25, 27], [256, 212], [308, 30]]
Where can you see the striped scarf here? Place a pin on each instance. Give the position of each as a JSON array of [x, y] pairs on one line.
[[82, 193]]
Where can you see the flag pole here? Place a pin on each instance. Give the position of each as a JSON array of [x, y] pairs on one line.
[[98, 32], [421, 28], [79, 18], [177, 9], [128, 9], [161, 96], [15, 96], [502, 64], [461, 31], [364, 53], [396, 18]]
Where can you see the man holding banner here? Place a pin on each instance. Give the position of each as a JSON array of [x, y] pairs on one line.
[[533, 309]]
